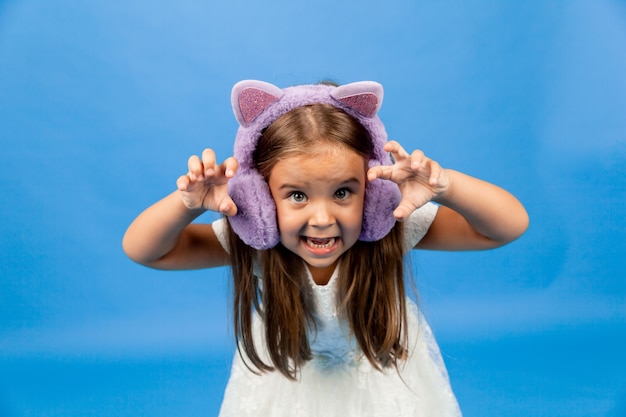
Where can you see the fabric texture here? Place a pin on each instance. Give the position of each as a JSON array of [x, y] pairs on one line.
[[339, 381]]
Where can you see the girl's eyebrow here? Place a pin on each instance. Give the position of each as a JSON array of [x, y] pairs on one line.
[[291, 186], [350, 181]]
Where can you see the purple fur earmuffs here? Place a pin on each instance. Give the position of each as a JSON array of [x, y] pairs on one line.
[[258, 104]]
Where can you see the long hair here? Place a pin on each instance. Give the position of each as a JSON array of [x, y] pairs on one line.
[[371, 295]]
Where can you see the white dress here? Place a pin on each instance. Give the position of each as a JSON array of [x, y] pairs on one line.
[[339, 381]]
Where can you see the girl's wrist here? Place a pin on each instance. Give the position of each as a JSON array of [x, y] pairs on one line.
[[446, 196], [186, 211]]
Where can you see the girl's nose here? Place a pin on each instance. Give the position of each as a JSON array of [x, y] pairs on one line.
[[321, 216]]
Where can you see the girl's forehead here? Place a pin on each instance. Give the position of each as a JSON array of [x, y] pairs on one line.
[[322, 148], [330, 162]]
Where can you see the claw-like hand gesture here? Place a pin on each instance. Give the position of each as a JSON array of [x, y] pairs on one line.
[[205, 186], [420, 178]]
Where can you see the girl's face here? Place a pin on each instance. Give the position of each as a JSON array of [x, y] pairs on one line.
[[319, 205]]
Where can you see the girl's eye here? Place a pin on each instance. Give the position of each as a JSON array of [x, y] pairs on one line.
[[342, 193], [297, 197]]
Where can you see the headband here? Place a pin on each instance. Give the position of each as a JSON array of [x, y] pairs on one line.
[[258, 104]]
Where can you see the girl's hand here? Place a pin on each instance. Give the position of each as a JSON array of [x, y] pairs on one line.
[[420, 178], [205, 186]]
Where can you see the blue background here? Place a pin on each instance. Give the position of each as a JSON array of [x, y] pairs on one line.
[[101, 103]]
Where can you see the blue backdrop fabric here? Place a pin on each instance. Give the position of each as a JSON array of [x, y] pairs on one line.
[[101, 104]]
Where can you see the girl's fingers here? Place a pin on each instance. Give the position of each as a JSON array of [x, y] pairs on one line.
[[195, 168], [435, 173], [396, 150], [231, 165], [380, 171], [200, 169], [208, 161], [182, 182], [403, 210], [227, 206], [418, 160]]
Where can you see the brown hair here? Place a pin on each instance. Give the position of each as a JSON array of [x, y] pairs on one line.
[[371, 294]]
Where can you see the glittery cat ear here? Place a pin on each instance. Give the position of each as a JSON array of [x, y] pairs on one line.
[[365, 97], [250, 98]]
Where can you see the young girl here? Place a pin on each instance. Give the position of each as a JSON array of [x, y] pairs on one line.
[[319, 211]]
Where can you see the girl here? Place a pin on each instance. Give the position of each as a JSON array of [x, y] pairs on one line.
[[317, 219]]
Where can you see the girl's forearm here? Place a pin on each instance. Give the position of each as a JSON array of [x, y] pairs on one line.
[[157, 230], [490, 210]]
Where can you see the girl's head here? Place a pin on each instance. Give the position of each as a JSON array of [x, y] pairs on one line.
[[276, 124], [314, 159]]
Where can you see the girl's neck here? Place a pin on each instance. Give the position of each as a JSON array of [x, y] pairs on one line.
[[321, 276]]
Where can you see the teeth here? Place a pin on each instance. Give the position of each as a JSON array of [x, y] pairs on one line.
[[320, 243]]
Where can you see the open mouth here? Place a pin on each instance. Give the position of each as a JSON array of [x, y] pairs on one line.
[[320, 243]]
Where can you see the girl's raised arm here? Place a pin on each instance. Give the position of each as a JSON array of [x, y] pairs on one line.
[[474, 214], [163, 236]]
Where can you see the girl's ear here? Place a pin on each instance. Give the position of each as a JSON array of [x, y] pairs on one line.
[[365, 97], [250, 98]]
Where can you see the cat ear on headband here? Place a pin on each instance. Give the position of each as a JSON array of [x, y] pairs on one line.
[[365, 97], [250, 98]]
